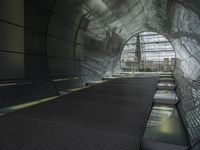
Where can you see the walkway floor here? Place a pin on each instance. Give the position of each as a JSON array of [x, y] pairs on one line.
[[107, 116]]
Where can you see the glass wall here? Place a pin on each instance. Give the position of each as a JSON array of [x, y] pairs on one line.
[[148, 51]]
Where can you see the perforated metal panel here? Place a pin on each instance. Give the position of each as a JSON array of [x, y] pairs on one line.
[[190, 111]]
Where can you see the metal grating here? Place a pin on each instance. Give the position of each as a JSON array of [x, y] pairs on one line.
[[190, 111]]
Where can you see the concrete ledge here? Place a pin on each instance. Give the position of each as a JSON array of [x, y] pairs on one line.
[[166, 86], [166, 97], [166, 80]]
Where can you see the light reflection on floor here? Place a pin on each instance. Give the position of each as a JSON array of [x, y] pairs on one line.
[[165, 95], [164, 124], [158, 115], [14, 108], [166, 86]]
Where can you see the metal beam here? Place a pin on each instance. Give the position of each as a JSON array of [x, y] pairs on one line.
[[156, 50], [143, 43], [150, 35]]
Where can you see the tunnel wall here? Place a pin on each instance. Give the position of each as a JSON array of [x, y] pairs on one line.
[[64, 44], [24, 70], [75, 52], [45, 49], [185, 33], [100, 56], [37, 49], [179, 20]]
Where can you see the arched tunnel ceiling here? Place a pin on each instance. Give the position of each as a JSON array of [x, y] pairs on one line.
[[178, 20], [124, 17], [48, 46], [131, 16], [69, 42]]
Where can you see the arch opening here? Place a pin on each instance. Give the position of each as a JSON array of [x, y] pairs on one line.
[[148, 52]]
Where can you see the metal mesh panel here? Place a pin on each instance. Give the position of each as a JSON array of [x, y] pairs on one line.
[[190, 111]]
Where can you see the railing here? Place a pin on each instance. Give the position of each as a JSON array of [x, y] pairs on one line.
[[147, 66]]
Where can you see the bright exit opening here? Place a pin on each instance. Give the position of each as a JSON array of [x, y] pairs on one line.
[[148, 52]]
